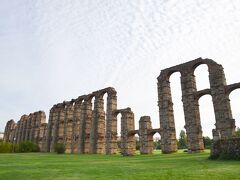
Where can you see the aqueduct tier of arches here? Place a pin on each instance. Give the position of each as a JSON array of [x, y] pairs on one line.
[[82, 126], [219, 90]]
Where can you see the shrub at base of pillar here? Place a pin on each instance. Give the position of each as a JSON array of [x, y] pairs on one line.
[[226, 149]]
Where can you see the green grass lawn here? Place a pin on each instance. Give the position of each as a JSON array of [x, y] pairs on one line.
[[157, 166]]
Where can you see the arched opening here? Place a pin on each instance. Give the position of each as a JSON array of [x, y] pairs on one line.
[[234, 97], [207, 118], [156, 142], [92, 102], [119, 133], [202, 77], [105, 111], [137, 142], [175, 83]]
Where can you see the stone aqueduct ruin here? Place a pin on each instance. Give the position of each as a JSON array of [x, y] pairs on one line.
[[84, 127]]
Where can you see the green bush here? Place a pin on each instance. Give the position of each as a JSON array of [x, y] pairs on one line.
[[15, 148], [23, 147], [59, 148], [5, 147], [27, 146], [207, 142]]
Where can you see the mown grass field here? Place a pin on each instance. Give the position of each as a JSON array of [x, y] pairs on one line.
[[157, 166]]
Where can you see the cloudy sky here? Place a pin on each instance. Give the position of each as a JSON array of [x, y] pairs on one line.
[[56, 50]]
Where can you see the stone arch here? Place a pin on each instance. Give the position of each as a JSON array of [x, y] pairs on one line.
[[127, 131], [224, 123], [146, 134], [232, 87], [85, 124], [102, 125], [201, 93], [111, 120], [221, 102], [169, 142], [197, 62]]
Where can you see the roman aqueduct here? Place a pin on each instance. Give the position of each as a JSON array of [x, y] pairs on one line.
[[84, 127]]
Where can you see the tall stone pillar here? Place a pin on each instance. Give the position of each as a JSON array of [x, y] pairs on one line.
[[28, 128], [76, 131], [49, 129], [167, 124], [17, 133], [88, 123], [98, 126], [111, 123], [40, 119], [61, 122], [12, 134], [145, 135], [225, 124], [42, 137], [191, 111], [82, 127], [128, 144], [21, 129], [31, 126], [65, 123], [85, 125], [55, 126], [8, 131], [68, 128], [24, 127]]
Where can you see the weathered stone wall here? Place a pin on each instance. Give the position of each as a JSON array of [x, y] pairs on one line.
[[81, 125], [28, 128]]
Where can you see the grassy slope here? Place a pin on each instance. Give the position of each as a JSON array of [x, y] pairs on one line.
[[156, 166]]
